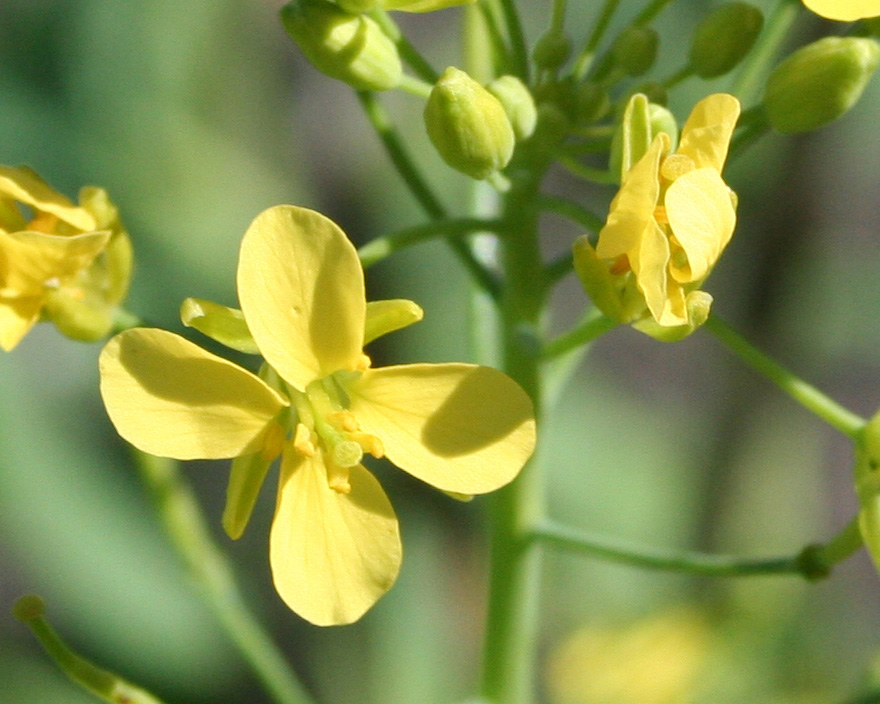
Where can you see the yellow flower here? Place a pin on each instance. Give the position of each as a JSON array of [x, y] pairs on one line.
[[334, 545], [844, 10], [667, 225], [70, 263]]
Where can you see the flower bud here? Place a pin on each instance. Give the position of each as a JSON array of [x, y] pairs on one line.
[[518, 104], [349, 47], [661, 119], [551, 50], [468, 125], [724, 37], [819, 83], [635, 50]]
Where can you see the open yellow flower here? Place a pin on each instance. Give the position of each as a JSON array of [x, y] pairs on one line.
[[844, 10], [668, 224], [334, 545], [54, 258]]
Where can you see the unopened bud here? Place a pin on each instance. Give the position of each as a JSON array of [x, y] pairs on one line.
[[468, 125], [724, 37], [662, 120], [349, 47], [518, 103], [635, 50], [551, 50], [819, 83]]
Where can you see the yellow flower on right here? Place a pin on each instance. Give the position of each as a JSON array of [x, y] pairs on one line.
[[666, 227], [844, 10]]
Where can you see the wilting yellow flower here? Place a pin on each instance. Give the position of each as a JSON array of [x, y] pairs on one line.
[[334, 544], [845, 10], [667, 225], [70, 263]]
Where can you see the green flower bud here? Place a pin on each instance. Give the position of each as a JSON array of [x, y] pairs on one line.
[[349, 47], [662, 120], [635, 50], [551, 50], [518, 103], [468, 125], [819, 83], [724, 37]]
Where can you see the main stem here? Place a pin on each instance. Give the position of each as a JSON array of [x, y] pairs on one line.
[[508, 667]]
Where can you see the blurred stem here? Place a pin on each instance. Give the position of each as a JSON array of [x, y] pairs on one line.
[[582, 64], [615, 550], [752, 74], [572, 211], [808, 396], [514, 586], [519, 53], [652, 9], [594, 325], [407, 51], [102, 683], [185, 525], [557, 19]]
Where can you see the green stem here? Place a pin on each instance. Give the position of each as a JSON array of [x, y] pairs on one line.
[[185, 525], [102, 683], [519, 53], [752, 74], [582, 64], [588, 173], [808, 396], [593, 326], [566, 538], [572, 211], [654, 8], [380, 248], [407, 51], [511, 629]]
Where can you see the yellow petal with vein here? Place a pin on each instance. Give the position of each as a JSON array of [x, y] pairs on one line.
[[169, 397], [706, 134], [17, 317], [332, 554], [632, 209], [702, 219], [459, 427], [301, 289]]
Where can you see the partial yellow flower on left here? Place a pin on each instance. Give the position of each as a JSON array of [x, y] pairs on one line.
[[67, 263], [334, 544]]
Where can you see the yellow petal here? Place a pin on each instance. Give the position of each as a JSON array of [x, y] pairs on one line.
[[17, 317], [25, 186], [845, 10], [169, 397], [702, 220], [649, 264], [632, 209], [29, 259], [705, 136], [458, 427], [332, 554], [301, 289]]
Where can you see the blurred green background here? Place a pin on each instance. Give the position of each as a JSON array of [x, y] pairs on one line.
[[197, 115]]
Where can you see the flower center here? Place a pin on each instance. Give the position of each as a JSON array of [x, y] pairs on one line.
[[324, 424]]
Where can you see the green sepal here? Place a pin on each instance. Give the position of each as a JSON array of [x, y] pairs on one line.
[[387, 316], [632, 137], [222, 324], [698, 305], [245, 480], [598, 282]]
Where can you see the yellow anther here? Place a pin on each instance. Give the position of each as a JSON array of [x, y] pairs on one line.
[[363, 363], [302, 441], [370, 444], [44, 222], [344, 420], [338, 477]]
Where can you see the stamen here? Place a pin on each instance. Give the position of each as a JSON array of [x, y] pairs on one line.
[[302, 441], [338, 477]]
